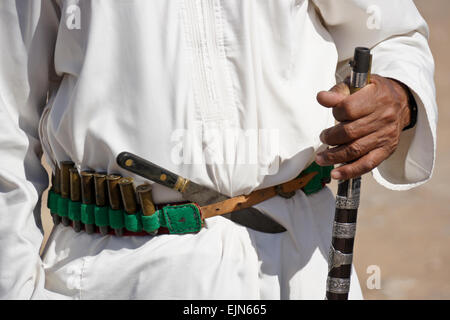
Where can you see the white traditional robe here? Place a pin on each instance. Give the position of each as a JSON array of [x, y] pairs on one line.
[[220, 92]]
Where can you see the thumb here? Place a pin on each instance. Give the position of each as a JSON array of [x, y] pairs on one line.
[[336, 94], [341, 88]]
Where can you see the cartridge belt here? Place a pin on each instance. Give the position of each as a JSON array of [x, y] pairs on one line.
[[109, 204]]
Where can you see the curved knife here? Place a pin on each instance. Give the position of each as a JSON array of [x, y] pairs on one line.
[[191, 191]]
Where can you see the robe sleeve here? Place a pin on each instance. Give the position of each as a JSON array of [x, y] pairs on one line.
[[398, 37], [28, 31]]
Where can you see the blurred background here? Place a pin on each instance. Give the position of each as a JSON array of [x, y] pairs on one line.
[[405, 234]]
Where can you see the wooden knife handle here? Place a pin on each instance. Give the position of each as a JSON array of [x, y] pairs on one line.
[[146, 169]]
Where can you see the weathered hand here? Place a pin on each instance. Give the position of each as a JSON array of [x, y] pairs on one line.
[[371, 121]]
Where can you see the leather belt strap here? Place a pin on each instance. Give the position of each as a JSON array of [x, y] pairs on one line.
[[258, 196]]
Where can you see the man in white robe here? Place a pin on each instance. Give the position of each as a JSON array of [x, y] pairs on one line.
[[142, 76]]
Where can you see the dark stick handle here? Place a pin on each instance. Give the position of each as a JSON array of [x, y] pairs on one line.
[[146, 169], [347, 201], [344, 228]]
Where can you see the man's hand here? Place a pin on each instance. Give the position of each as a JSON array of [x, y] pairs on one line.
[[371, 121]]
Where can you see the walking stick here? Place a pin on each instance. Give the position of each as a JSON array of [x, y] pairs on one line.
[[347, 201]]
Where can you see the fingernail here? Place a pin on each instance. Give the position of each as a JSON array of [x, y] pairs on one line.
[[336, 175]]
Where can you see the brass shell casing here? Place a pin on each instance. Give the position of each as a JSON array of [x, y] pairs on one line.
[[87, 187], [144, 192], [75, 194], [56, 188], [88, 194], [128, 195], [75, 185], [114, 195], [65, 186], [56, 184], [101, 195], [65, 178], [101, 191]]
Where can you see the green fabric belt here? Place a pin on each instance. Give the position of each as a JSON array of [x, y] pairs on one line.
[[179, 219], [185, 218], [318, 182]]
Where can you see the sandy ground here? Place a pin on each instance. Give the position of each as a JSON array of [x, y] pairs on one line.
[[406, 234]]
